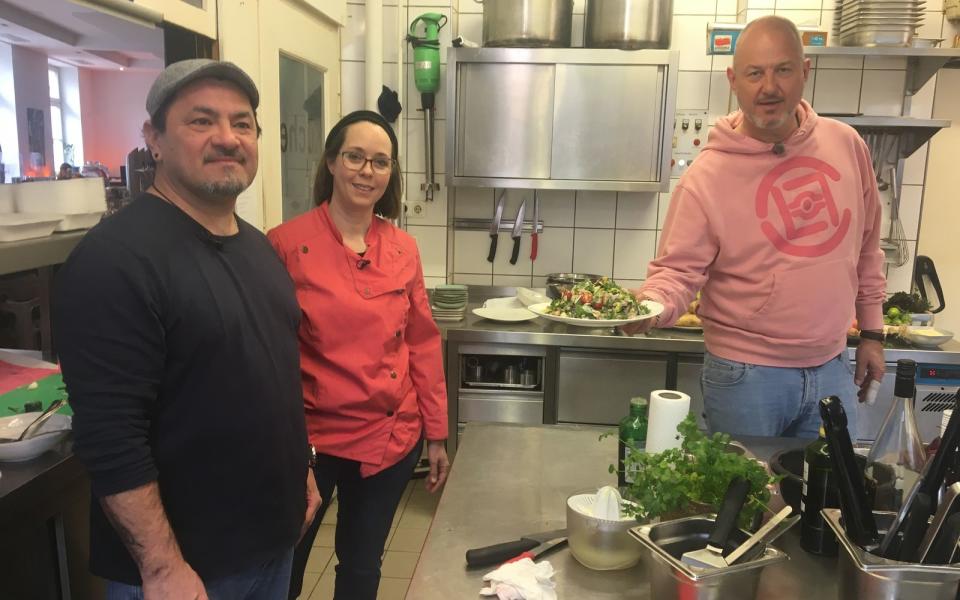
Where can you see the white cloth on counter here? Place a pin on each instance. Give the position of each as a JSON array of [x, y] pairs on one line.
[[521, 580]]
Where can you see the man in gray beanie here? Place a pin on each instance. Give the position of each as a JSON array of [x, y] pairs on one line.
[[177, 331]]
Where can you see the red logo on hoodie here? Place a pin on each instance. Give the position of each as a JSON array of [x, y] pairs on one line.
[[796, 208]]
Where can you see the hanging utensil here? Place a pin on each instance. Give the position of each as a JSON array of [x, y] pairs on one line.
[[536, 220], [924, 273], [517, 232], [495, 227], [426, 77]]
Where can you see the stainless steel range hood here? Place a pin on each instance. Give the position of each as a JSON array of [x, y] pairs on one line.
[[568, 118]]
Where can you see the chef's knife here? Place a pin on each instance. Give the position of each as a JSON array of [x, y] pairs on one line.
[[949, 505], [914, 527], [536, 220], [495, 227], [498, 553], [517, 231], [723, 526], [945, 546], [857, 516]]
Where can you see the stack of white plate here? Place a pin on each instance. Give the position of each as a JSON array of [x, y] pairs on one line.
[[877, 22], [449, 302]]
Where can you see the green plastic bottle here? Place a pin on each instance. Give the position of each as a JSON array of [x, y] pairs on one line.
[[633, 431]]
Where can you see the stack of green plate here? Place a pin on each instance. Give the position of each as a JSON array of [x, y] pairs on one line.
[[449, 302]]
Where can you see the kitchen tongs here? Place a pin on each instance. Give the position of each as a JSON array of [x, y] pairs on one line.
[[857, 514]]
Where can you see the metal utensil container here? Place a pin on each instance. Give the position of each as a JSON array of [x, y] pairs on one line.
[[671, 579], [527, 23], [866, 576], [628, 24]]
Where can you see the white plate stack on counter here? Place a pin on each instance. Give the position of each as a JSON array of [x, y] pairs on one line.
[[38, 208], [449, 302]]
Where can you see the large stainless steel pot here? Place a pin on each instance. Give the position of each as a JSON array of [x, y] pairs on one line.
[[527, 23], [628, 24]]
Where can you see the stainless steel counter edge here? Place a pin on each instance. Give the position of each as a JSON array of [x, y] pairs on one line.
[[547, 333]]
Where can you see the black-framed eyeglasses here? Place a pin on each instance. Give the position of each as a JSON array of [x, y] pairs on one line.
[[356, 161]]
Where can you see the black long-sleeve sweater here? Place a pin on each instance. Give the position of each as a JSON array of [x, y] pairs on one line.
[[179, 352]]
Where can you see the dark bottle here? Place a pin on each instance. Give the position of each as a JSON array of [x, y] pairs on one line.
[[819, 491], [633, 431]]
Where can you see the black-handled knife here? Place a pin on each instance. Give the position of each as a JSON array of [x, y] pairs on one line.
[[726, 520], [495, 227], [538, 543], [517, 232]]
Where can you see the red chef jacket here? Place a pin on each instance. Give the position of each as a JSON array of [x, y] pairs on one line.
[[370, 359]]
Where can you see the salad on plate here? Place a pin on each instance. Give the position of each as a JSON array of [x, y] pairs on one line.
[[601, 300]]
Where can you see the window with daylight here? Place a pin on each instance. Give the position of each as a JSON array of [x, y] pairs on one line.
[[56, 116]]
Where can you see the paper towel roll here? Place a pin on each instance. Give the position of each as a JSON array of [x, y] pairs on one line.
[[667, 409]]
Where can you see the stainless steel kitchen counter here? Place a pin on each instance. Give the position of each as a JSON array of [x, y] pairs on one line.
[[550, 333], [510, 480]]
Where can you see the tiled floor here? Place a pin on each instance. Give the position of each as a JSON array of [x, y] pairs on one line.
[[409, 530]]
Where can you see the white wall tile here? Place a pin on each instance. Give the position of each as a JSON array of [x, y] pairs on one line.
[[473, 203], [593, 251], [839, 62], [914, 167], [753, 12], [554, 251], [695, 7], [837, 91], [910, 198], [579, 7], [826, 22], [932, 26], [511, 203], [664, 203], [690, 37], [472, 279], [352, 40], [471, 27], [470, 251], [881, 93], [470, 7], [435, 212], [798, 5], [921, 103], [809, 86], [557, 207], [432, 282], [934, 5], [415, 152], [637, 210], [596, 209], [721, 101], [727, 7], [633, 251], [432, 243], [807, 18], [512, 280], [885, 62], [501, 263], [576, 31], [755, 4], [721, 62], [693, 90]]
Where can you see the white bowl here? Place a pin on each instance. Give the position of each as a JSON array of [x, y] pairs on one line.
[[928, 337], [51, 433]]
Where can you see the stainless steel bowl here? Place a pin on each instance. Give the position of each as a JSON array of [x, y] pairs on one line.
[[601, 544]]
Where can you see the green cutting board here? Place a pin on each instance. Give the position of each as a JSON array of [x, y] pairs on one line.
[[48, 389]]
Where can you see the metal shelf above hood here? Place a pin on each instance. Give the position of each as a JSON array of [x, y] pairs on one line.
[[922, 63]]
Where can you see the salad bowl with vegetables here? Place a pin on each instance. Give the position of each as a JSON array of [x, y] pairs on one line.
[[600, 303]]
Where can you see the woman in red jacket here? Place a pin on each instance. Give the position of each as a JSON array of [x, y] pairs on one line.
[[371, 369]]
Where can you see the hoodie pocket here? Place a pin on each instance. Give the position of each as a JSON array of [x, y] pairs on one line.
[[809, 304]]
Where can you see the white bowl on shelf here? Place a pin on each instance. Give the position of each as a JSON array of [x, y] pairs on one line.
[[928, 337]]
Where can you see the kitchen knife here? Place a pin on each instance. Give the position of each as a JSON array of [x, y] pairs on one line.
[[517, 232], [723, 526], [857, 515], [945, 546], [536, 220], [498, 553], [949, 505], [495, 227], [914, 527]]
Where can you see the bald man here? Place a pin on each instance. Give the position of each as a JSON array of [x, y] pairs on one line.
[[778, 222]]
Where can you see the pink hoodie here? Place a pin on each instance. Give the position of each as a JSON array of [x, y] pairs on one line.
[[785, 246]]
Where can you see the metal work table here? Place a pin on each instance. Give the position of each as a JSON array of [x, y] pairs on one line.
[[510, 480]]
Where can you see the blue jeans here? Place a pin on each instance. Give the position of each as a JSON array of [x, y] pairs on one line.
[[745, 399], [268, 581]]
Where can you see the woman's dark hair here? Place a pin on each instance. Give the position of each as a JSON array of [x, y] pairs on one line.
[[388, 206]]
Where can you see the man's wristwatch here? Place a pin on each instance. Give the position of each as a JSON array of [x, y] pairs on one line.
[[312, 456], [876, 336]]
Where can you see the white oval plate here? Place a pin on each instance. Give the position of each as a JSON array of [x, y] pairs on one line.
[[655, 309], [50, 434], [498, 313]]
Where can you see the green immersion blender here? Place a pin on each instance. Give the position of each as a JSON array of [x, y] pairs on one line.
[[426, 76]]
